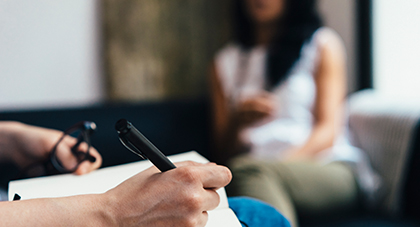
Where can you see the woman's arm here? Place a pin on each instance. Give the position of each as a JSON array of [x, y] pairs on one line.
[[225, 126], [330, 82], [228, 121]]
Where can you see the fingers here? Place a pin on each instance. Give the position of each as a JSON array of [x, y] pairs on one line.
[[263, 105], [64, 154], [214, 177], [69, 160], [211, 175], [200, 182], [187, 163], [204, 219], [191, 163], [87, 166], [209, 178], [210, 200]]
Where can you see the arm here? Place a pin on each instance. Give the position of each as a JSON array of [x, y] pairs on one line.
[[178, 197], [331, 91], [225, 127], [25, 144], [228, 121]]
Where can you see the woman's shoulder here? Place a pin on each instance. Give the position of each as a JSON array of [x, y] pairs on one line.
[[326, 36], [226, 60]]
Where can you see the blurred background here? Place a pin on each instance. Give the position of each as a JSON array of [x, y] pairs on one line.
[[148, 60], [66, 53]]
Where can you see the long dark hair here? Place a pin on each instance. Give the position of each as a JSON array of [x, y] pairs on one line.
[[300, 20]]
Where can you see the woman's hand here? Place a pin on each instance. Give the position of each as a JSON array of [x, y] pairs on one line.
[[256, 109], [296, 154], [25, 145]]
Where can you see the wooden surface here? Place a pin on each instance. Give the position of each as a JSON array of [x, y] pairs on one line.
[[157, 49]]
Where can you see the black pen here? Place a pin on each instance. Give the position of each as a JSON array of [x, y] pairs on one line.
[[136, 142]]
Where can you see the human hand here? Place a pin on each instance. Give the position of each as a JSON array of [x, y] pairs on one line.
[[28, 145], [178, 197], [257, 108], [296, 154]]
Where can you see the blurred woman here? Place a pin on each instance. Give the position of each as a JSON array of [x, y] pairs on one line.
[[278, 92]]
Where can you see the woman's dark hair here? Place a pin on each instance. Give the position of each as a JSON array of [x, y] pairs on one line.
[[300, 20]]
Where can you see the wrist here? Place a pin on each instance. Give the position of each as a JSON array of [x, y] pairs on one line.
[[88, 210], [236, 120], [107, 212]]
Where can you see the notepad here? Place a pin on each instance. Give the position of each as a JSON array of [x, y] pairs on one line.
[[102, 180]]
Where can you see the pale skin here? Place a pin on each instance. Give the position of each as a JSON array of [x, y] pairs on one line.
[[330, 92], [179, 197]]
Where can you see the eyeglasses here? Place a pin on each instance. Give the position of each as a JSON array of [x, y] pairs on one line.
[[82, 131], [80, 152]]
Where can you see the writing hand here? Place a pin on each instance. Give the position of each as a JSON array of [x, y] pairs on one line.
[[178, 197]]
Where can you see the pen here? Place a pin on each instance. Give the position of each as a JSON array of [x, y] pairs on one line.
[[137, 143]]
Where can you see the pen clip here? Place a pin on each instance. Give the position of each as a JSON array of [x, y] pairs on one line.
[[131, 148]]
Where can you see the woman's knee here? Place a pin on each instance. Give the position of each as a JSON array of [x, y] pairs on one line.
[[249, 165]]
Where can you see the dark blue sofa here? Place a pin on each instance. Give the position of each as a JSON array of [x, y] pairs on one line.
[[173, 126], [177, 126]]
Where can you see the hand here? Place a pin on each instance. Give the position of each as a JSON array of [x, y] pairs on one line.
[[27, 145], [296, 154], [179, 197], [256, 109]]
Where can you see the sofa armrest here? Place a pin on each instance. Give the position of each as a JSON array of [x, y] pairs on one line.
[[384, 128]]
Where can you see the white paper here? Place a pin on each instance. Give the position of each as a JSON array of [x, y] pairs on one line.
[[104, 179]]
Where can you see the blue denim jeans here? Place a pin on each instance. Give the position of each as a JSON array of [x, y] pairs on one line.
[[255, 213]]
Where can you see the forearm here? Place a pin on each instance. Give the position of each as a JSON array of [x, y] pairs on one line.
[[85, 210], [227, 139], [321, 138], [8, 130], [225, 125]]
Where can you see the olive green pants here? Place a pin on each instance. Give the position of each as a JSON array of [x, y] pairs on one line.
[[298, 190]]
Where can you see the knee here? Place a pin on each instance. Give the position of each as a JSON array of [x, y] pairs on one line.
[[249, 176], [249, 166]]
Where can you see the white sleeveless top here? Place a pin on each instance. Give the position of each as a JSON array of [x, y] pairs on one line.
[[293, 121], [295, 96]]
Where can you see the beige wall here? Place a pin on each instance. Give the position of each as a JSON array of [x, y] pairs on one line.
[[341, 16]]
